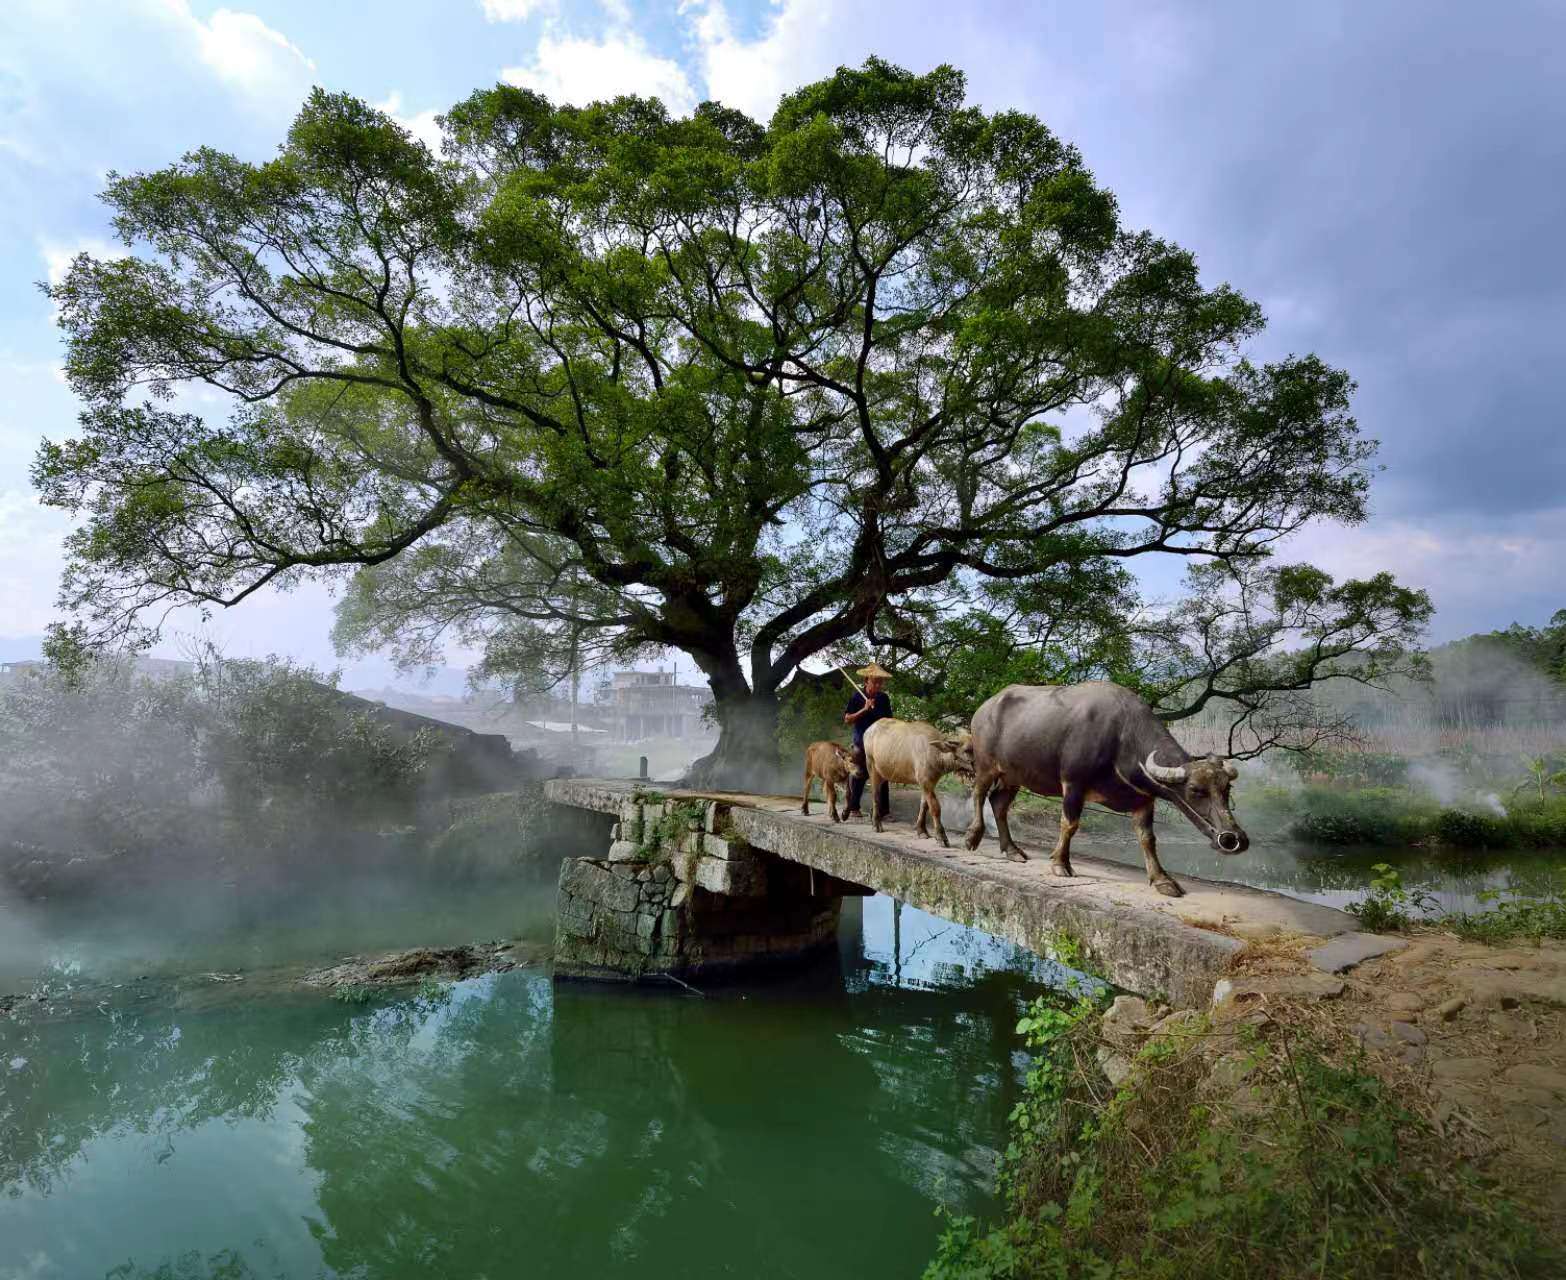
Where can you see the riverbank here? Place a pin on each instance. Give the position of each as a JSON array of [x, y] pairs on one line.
[[1406, 1117]]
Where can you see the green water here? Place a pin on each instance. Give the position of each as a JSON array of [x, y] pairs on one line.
[[502, 1127]]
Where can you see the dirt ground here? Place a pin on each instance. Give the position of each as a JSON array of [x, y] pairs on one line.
[[1473, 1036]]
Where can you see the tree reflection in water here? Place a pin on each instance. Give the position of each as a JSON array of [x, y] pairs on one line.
[[802, 1127]]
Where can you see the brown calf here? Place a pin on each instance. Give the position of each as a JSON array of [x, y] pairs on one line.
[[832, 764]]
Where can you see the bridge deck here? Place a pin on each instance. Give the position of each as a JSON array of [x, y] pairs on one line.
[[1106, 919]]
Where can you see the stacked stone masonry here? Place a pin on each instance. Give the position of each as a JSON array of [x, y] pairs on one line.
[[679, 894]]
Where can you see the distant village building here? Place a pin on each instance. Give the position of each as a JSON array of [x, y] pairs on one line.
[[649, 704]]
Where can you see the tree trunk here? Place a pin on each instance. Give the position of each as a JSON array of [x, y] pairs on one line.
[[746, 757]]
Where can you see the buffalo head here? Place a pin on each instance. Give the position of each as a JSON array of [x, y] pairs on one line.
[[1200, 789], [848, 760], [956, 754]]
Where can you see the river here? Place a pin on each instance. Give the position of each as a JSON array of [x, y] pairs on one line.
[[504, 1127], [500, 1126]]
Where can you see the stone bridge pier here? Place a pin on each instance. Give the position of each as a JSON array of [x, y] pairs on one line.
[[680, 892]]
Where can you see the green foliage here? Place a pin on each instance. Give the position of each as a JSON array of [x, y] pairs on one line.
[[99, 759], [1369, 816], [1542, 648], [659, 839], [1389, 905], [1544, 774], [281, 734], [810, 711], [491, 833], [1393, 817], [1465, 829], [1539, 825], [1310, 1169], [1357, 768], [599, 378], [1530, 917]]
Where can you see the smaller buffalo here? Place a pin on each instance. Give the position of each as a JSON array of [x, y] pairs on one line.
[[914, 752], [833, 764], [1094, 741]]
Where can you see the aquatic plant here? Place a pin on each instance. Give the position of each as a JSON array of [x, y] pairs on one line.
[[1389, 905]]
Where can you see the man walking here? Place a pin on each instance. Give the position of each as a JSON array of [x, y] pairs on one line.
[[864, 710]]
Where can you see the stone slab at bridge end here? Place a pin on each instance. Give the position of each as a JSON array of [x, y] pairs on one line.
[[699, 881]]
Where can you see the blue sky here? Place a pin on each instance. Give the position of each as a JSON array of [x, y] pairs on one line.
[[1388, 180]]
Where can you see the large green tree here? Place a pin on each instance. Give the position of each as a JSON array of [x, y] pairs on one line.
[[597, 378]]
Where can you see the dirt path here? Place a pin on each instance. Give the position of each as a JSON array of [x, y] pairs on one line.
[[1473, 1036]]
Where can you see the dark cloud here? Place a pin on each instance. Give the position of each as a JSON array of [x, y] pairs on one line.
[[1390, 181]]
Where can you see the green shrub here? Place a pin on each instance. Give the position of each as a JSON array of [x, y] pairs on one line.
[[1533, 917], [1535, 823], [1310, 1168], [1368, 816], [1464, 829], [1389, 906], [1358, 768]]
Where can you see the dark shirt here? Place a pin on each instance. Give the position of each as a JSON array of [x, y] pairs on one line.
[[882, 710]]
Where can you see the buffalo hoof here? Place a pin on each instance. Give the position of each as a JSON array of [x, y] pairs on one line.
[[1168, 888], [945, 843], [835, 818], [1061, 869], [974, 839], [1015, 854], [805, 809]]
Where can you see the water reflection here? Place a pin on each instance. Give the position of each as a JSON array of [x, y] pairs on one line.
[[505, 1128]]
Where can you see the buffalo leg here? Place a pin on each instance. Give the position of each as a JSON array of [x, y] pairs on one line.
[[1160, 879], [831, 791], [933, 804], [922, 821], [804, 799], [876, 812], [1000, 805], [1070, 819], [981, 790]]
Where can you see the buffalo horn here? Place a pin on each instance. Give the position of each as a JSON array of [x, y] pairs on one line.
[[1162, 772]]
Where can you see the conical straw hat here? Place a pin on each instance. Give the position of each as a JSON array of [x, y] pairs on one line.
[[875, 669]]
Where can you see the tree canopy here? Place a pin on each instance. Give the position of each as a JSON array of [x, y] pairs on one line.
[[886, 371]]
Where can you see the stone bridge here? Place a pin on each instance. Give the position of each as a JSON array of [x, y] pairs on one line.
[[697, 883]]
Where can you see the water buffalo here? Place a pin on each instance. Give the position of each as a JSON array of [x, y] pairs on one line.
[[833, 764], [912, 751], [1094, 741]]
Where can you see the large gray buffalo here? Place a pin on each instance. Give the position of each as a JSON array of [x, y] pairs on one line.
[[1094, 741]]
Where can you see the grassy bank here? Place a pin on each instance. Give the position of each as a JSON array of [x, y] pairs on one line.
[[1395, 816], [1241, 1148]]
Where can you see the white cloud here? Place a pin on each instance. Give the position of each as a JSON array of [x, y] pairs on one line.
[[244, 52], [578, 70], [1481, 572], [512, 10], [58, 255], [801, 43], [421, 124]]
